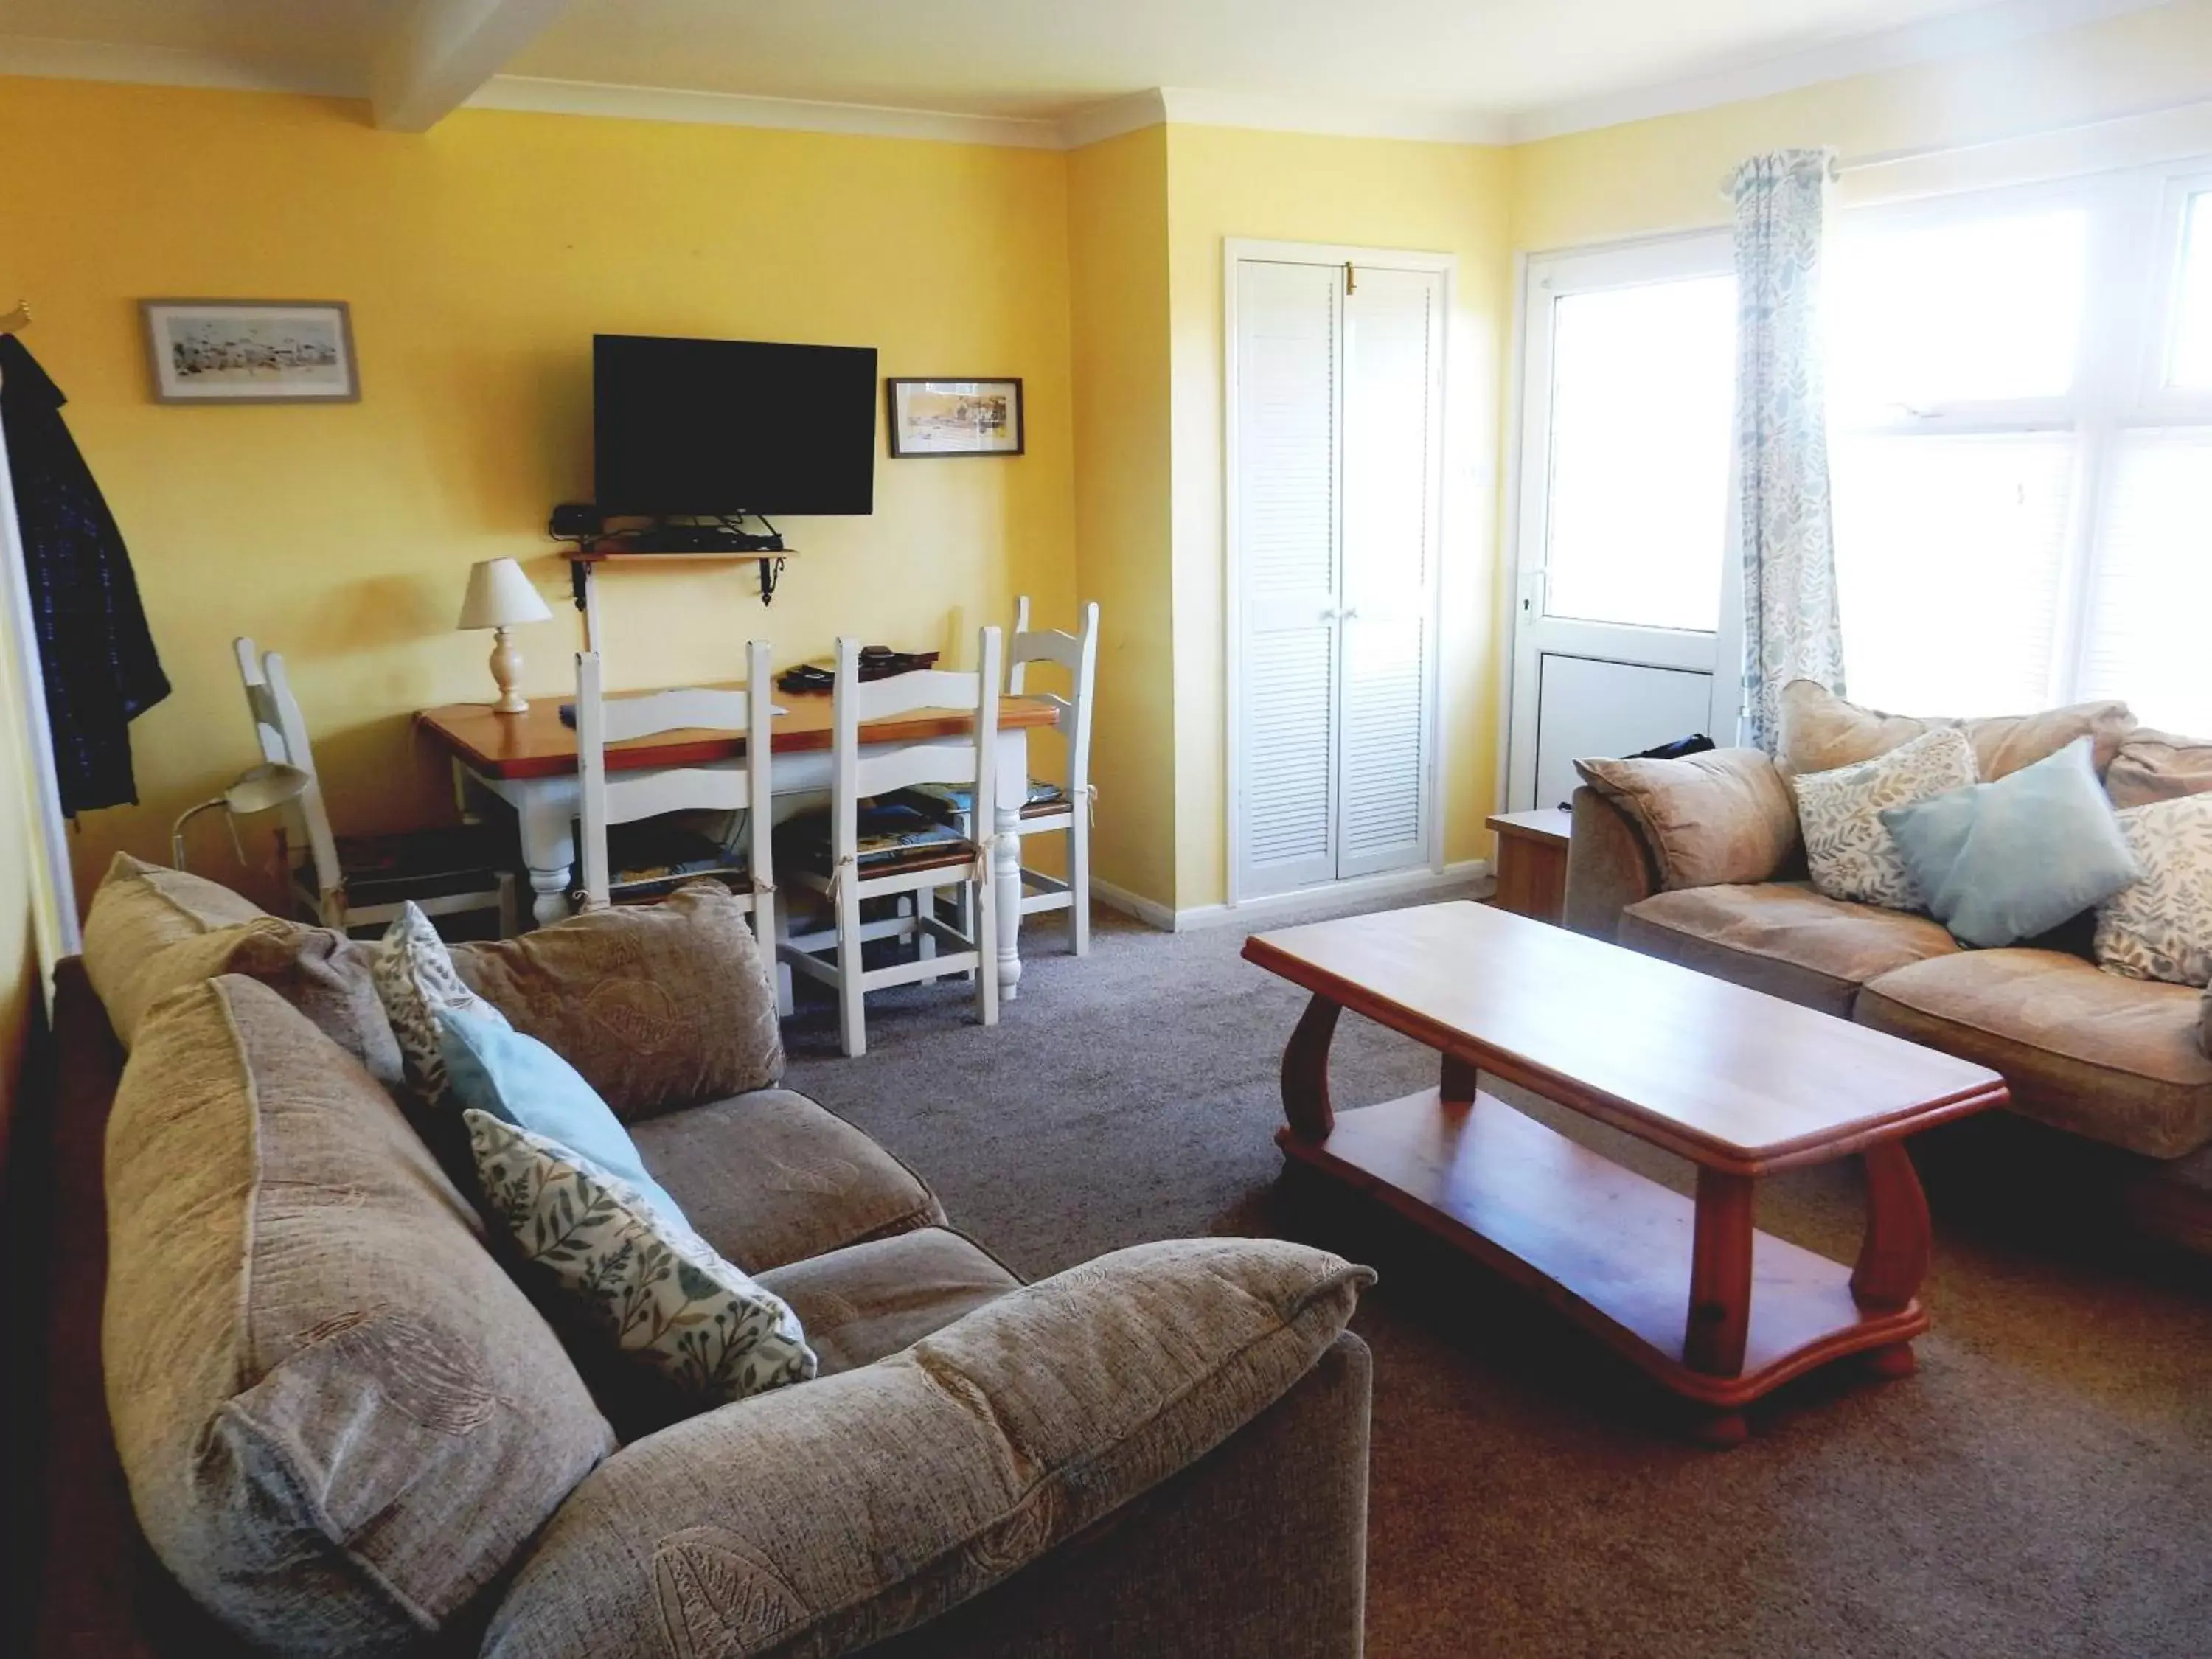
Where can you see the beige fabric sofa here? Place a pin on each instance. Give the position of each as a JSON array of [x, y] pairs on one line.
[[2121, 1062], [344, 1425]]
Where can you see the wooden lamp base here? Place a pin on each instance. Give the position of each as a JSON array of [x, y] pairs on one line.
[[506, 672]]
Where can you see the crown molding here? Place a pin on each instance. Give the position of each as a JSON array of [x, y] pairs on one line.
[[1268, 113], [1978, 30], [42, 58], [551, 97], [1093, 124]]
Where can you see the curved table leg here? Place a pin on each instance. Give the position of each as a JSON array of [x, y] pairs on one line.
[[545, 820], [1306, 1071], [1720, 1275], [1893, 1254]]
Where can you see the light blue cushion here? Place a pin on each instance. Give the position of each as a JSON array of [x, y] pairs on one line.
[[518, 1080], [2006, 861]]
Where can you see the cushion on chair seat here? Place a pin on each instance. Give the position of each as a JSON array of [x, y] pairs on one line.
[[1051, 804], [958, 800], [2115, 1059], [657, 856], [868, 1300], [893, 834], [442, 851], [771, 1177], [1784, 938]]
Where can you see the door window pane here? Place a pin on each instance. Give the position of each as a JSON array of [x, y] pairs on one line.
[[1922, 316], [2153, 591], [1643, 389], [1948, 558], [2191, 365]]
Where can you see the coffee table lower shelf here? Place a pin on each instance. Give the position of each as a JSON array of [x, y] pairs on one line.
[[1609, 1247]]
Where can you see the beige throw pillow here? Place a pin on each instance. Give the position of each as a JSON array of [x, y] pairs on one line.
[[1821, 732], [1851, 855], [138, 911], [1724, 816], [2162, 928]]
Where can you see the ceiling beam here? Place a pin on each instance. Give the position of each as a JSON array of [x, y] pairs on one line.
[[443, 50]]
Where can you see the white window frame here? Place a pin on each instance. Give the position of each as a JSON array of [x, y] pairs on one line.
[[2127, 334]]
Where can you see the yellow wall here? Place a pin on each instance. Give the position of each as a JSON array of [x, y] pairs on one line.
[[1118, 289], [478, 260], [1646, 177], [1373, 192]]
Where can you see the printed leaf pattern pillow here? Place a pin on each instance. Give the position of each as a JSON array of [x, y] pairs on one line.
[[415, 981], [657, 1289], [1851, 855], [2162, 926]]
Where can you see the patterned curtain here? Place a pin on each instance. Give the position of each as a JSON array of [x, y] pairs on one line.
[[1790, 627]]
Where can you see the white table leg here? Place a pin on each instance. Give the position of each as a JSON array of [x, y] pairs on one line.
[[1006, 884], [546, 818]]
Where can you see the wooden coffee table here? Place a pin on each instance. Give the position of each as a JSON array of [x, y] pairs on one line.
[[1739, 1083]]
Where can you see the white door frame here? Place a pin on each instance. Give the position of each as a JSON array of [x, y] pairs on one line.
[[1234, 250], [1526, 505], [53, 892]]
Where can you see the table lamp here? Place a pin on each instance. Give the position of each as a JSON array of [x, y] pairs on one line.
[[256, 790], [501, 598]]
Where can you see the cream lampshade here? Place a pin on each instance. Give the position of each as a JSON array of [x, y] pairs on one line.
[[501, 598]]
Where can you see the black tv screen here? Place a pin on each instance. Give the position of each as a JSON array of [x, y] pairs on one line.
[[706, 428]]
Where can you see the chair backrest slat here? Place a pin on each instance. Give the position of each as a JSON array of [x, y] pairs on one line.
[[631, 794], [690, 708], [963, 759]]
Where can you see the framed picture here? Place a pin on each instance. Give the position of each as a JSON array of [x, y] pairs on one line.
[[954, 417], [250, 351]]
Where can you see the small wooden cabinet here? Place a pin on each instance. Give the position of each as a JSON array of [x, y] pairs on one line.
[[1532, 861]]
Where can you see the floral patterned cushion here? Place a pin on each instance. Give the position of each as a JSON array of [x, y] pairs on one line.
[[1850, 854], [2162, 926], [416, 982], [653, 1286]]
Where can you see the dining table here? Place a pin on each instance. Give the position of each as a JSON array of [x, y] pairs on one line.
[[528, 760]]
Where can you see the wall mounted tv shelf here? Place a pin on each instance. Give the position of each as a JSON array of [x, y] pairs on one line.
[[584, 561]]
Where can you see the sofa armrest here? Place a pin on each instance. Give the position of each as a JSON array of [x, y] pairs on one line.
[[822, 1517], [1609, 866]]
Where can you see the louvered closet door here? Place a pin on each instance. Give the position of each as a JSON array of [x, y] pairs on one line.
[[1288, 413], [1393, 451]]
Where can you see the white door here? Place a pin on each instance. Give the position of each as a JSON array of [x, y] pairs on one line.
[[1334, 458], [1626, 631]]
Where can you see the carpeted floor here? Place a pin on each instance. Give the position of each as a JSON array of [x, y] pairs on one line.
[[2043, 1485]]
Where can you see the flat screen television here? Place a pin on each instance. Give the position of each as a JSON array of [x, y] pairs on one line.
[[704, 429]]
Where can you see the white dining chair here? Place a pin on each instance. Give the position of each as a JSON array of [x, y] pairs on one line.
[[630, 845], [847, 856], [346, 882]]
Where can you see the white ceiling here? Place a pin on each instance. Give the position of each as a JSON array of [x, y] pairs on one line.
[[1470, 68]]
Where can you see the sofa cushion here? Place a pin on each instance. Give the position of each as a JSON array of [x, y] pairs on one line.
[[1820, 731], [1784, 938], [865, 1301], [2159, 766], [1722, 816], [319, 971], [659, 1005], [2117, 1059], [137, 912], [339, 1418], [1851, 853], [769, 1177], [653, 1290], [816, 1521]]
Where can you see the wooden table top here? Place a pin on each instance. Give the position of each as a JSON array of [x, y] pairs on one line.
[[1552, 824], [536, 744], [1731, 1078]]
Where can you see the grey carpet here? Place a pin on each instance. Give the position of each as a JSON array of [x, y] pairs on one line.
[[2043, 1485]]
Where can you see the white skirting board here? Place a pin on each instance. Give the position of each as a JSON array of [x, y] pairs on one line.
[[1394, 884]]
